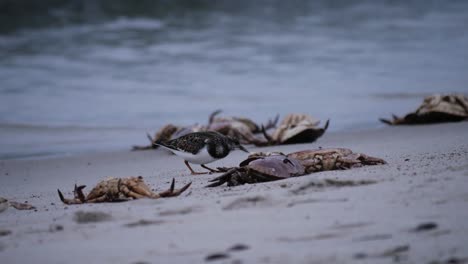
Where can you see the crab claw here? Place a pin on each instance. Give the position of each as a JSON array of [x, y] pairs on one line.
[[68, 201], [220, 180], [272, 123], [265, 134], [78, 193], [150, 138], [396, 120], [326, 125], [61, 196], [386, 121], [171, 192], [213, 115]]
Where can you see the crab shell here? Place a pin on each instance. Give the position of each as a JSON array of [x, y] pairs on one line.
[[235, 122], [230, 126], [165, 133], [170, 131], [112, 188], [242, 128], [456, 105], [332, 159], [260, 169], [233, 128], [298, 128], [435, 109], [259, 155], [182, 131], [275, 166]]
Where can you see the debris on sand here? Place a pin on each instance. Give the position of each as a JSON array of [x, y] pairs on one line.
[[4, 203], [144, 222], [216, 256], [425, 227]]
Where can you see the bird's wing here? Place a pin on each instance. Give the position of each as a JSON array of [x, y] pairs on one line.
[[188, 143]]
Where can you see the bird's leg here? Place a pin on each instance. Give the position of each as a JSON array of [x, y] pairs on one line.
[[210, 169], [191, 170]]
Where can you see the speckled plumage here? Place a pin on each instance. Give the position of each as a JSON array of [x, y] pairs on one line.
[[201, 147], [216, 143]]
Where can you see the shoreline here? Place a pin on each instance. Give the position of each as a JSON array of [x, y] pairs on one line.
[[35, 142], [425, 181]]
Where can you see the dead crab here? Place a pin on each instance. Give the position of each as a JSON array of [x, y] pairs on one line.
[[238, 127], [259, 168], [435, 109], [333, 159], [119, 189], [294, 128], [262, 167]]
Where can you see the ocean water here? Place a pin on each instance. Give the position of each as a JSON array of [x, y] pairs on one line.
[[93, 76]]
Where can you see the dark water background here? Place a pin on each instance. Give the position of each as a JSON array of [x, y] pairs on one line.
[[87, 76]]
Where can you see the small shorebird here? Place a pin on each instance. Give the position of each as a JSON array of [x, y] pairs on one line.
[[202, 148]]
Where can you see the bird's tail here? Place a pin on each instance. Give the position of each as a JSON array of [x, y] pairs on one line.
[[158, 143]]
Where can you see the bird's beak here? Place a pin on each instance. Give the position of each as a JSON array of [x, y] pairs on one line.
[[243, 149]]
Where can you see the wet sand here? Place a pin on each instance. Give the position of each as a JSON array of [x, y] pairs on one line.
[[415, 212]]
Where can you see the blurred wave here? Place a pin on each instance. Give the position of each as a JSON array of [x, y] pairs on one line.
[[19, 14], [74, 71]]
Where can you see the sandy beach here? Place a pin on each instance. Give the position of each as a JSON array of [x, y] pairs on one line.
[[415, 212], [84, 81]]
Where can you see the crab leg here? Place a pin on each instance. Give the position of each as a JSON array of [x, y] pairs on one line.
[[368, 160], [222, 179], [210, 169], [272, 123], [130, 193], [268, 137], [151, 146]]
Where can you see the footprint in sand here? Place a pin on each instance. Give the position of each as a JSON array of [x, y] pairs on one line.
[[82, 217], [329, 183], [225, 255], [246, 202], [144, 222], [182, 211]]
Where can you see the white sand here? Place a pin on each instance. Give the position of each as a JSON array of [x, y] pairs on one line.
[[425, 181]]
